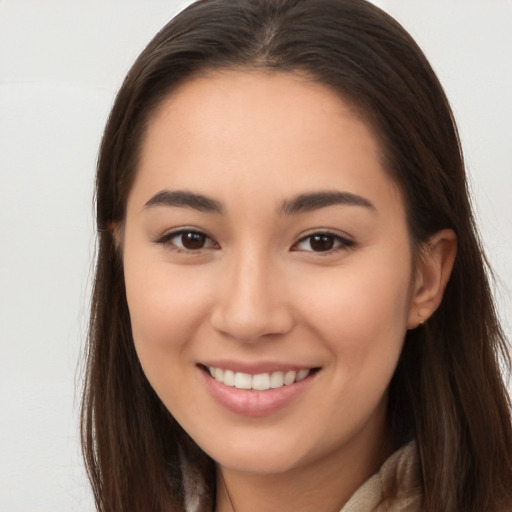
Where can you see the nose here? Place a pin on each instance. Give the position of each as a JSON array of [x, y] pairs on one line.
[[252, 301]]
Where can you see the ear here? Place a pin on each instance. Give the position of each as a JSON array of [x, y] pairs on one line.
[[117, 232], [433, 270]]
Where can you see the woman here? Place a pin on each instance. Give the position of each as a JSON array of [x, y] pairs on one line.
[[291, 310]]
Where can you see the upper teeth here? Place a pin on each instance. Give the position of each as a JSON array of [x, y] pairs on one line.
[[260, 381]]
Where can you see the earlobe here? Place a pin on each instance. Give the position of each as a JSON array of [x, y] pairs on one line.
[[433, 271]]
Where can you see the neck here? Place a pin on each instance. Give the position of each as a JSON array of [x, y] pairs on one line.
[[324, 487]]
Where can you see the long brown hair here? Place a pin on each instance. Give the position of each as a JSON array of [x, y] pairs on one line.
[[447, 392]]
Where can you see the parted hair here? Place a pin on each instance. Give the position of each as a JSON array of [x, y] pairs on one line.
[[448, 390]]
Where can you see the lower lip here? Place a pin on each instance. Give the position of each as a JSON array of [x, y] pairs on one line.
[[255, 403]]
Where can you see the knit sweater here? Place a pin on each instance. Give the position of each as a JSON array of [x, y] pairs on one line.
[[394, 488]]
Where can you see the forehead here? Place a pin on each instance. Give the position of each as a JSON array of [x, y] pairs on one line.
[[255, 100], [258, 130]]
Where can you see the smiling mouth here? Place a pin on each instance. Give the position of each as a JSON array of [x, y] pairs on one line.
[[260, 381]]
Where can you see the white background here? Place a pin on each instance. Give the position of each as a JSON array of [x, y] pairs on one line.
[[60, 65]]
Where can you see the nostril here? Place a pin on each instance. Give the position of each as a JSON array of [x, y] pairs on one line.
[[246, 326]]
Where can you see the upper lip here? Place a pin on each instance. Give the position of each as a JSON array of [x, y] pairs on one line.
[[255, 368]]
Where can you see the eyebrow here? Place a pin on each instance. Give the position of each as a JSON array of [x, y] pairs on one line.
[[185, 199], [317, 200], [303, 203]]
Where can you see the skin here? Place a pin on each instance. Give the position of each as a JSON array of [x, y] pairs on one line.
[[257, 293]]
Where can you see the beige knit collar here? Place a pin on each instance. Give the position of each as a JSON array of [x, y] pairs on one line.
[[394, 488]]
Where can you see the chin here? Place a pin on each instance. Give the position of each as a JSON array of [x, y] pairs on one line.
[[258, 463]]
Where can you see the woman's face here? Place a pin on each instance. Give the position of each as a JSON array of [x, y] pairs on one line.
[[265, 244]]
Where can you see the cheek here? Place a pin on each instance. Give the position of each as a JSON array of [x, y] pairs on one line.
[[359, 299], [363, 325], [160, 295], [165, 312], [166, 309], [361, 316]]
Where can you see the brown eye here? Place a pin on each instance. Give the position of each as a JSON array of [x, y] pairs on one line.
[[320, 243], [192, 240], [187, 240]]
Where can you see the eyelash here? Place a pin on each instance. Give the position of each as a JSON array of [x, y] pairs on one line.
[[338, 242], [167, 240]]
